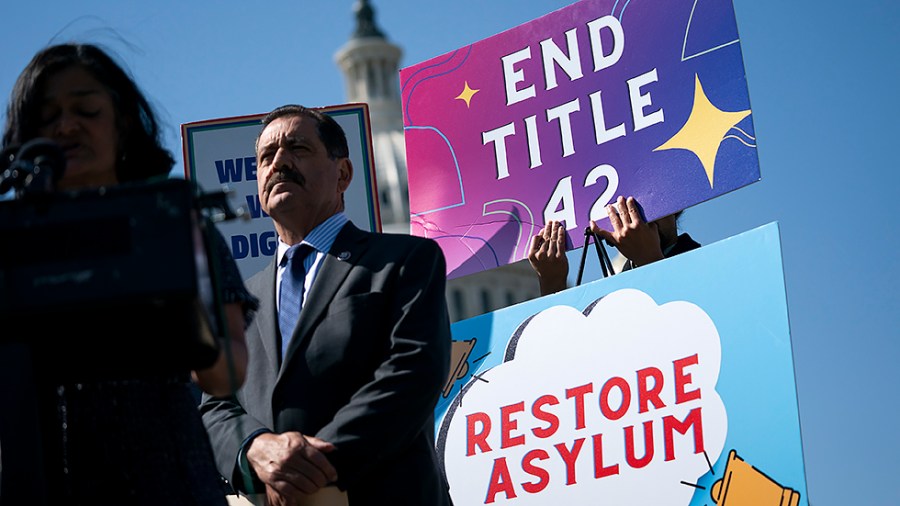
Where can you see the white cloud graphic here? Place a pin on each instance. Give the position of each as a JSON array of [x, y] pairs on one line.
[[564, 419]]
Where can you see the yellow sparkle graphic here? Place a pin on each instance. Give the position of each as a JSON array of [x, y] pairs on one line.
[[467, 94], [704, 130]]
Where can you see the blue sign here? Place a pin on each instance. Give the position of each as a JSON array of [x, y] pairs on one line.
[[669, 384]]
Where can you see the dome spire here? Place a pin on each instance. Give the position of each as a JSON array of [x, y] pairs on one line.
[[365, 21]]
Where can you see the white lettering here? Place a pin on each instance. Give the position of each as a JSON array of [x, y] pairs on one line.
[[498, 137], [551, 54], [598, 210], [600, 132], [602, 61], [561, 113], [534, 147], [511, 77], [561, 206], [639, 102]]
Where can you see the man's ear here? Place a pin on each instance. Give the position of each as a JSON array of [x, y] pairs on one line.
[[345, 174]]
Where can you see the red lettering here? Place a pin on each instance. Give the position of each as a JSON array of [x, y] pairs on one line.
[[544, 416], [599, 470], [607, 411], [682, 379], [670, 424], [633, 461], [507, 425], [501, 481], [578, 393], [569, 457], [649, 394], [480, 438], [538, 472]]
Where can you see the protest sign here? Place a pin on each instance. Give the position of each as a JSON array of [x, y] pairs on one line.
[[221, 153], [671, 384], [555, 118]]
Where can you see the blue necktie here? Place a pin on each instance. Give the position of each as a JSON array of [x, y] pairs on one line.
[[291, 298]]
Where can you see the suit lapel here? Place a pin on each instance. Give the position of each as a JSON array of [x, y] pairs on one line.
[[346, 251], [268, 310]]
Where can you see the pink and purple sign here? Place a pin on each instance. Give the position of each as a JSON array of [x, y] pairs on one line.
[[553, 119]]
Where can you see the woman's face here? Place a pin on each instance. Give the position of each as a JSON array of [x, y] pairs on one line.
[[78, 113]]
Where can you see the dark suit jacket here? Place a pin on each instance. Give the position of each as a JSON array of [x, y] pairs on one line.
[[364, 369]]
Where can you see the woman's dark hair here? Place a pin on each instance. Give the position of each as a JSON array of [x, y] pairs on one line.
[[330, 132], [141, 154]]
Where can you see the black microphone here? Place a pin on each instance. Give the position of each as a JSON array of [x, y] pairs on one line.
[[36, 167], [7, 157]]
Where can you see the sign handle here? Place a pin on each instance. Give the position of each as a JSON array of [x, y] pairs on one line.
[[605, 263]]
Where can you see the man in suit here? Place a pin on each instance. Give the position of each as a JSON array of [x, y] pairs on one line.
[[345, 395]]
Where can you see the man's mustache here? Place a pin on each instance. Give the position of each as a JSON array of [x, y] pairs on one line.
[[285, 176]]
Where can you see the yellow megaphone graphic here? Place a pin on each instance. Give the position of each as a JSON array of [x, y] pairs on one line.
[[744, 485]]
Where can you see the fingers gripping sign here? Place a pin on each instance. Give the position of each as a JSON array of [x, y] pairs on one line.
[[548, 257], [636, 239]]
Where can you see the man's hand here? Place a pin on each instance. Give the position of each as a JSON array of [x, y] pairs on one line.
[[547, 257], [290, 465], [631, 235]]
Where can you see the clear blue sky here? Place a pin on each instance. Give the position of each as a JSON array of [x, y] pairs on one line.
[[823, 88]]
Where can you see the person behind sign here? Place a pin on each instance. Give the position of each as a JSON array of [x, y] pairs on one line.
[[640, 242], [137, 438], [344, 394]]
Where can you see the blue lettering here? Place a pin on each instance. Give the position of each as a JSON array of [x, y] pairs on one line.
[[250, 168], [229, 171], [239, 246], [253, 245], [268, 242], [254, 207]]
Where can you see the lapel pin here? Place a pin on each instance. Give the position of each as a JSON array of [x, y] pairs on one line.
[[344, 255]]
